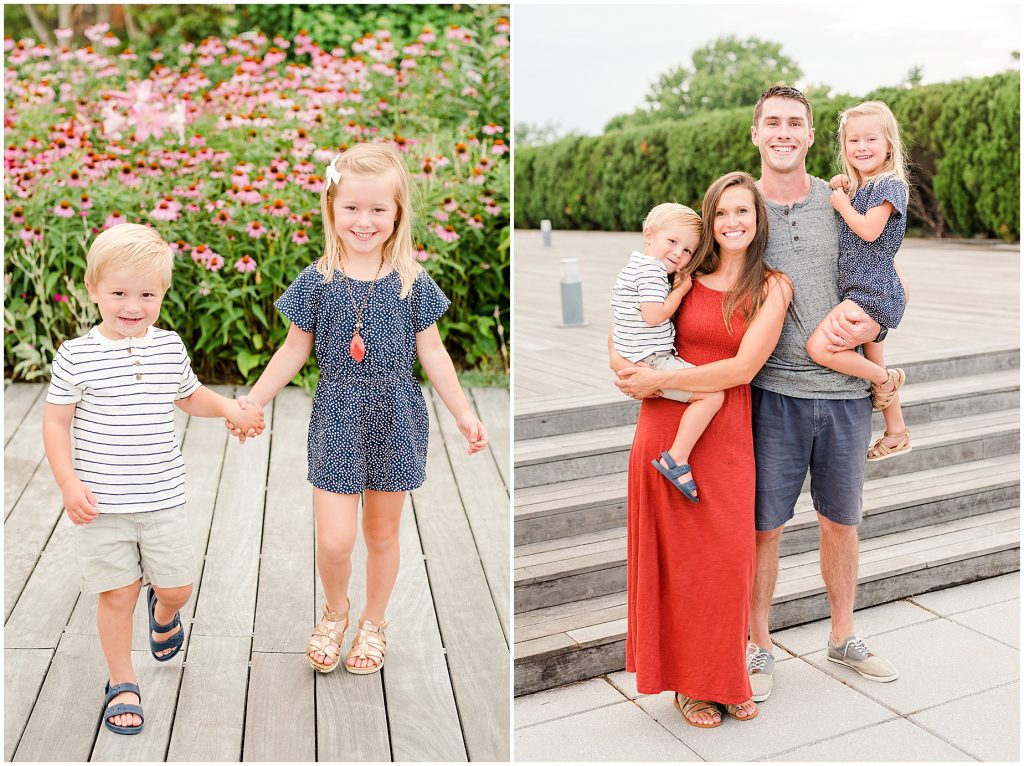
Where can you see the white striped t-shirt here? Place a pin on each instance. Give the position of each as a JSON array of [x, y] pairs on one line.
[[124, 445], [643, 280]]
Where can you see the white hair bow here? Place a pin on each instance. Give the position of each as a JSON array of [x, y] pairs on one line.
[[332, 173]]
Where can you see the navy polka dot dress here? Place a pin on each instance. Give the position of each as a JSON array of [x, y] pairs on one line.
[[368, 428], [866, 272]]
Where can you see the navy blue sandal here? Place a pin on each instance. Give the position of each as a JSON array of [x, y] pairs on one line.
[[673, 472], [174, 642], [111, 710]]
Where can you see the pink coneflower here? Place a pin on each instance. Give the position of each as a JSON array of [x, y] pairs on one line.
[[27, 234], [63, 35], [420, 253], [110, 40], [300, 237], [461, 151], [450, 204], [446, 233], [75, 179], [249, 195], [277, 208], [222, 218], [64, 209], [255, 229], [440, 215], [492, 207], [499, 147], [128, 55], [245, 263], [215, 263], [155, 54], [164, 212], [492, 129], [84, 202], [114, 219], [17, 216], [476, 221], [502, 25], [427, 36], [202, 253]]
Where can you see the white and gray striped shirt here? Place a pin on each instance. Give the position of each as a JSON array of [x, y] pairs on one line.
[[643, 280], [123, 429]]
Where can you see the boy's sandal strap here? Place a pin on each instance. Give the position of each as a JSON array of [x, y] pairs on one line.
[[122, 707], [113, 691], [173, 642]]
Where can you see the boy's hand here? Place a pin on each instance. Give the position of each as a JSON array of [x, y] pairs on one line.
[[79, 501], [840, 182], [246, 420], [682, 281], [473, 430]]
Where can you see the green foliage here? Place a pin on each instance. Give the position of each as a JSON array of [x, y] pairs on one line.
[[962, 138]]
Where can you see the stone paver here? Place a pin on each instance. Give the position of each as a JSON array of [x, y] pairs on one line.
[[617, 733], [971, 596], [565, 700], [893, 741], [805, 639], [1000, 621], [938, 661], [986, 725]]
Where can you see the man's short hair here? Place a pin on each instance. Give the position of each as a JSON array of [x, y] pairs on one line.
[[783, 91], [129, 246]]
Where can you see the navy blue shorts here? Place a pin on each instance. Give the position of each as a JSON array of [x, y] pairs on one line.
[[829, 436]]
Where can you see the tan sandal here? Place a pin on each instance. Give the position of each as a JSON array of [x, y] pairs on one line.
[[370, 644], [688, 707], [733, 712], [882, 451], [327, 639], [882, 399]]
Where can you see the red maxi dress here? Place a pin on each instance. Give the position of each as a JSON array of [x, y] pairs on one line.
[[691, 566]]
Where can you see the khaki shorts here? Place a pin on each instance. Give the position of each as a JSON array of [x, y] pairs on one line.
[[663, 360], [118, 549]]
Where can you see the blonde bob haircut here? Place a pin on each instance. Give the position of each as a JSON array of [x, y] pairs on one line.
[[381, 160], [132, 247], [672, 214], [895, 160]]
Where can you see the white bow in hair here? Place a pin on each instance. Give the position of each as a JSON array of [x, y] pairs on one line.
[[332, 173]]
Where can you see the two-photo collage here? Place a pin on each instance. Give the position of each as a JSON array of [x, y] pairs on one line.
[[512, 383]]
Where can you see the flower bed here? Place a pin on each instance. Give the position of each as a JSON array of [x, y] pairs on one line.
[[221, 146]]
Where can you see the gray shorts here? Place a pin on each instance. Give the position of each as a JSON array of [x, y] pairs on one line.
[[117, 549], [665, 360], [829, 436]]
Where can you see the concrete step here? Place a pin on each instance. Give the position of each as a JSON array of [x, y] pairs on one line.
[[593, 563], [585, 638], [607, 409], [598, 453]]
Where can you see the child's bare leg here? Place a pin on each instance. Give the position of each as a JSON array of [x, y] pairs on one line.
[[848, 362], [699, 412], [114, 625], [893, 414], [168, 602], [336, 524], [382, 516]]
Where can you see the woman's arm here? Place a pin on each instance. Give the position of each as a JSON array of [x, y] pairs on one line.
[[441, 373], [755, 348]]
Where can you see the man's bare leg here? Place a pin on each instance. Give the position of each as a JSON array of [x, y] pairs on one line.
[[839, 552], [766, 572]]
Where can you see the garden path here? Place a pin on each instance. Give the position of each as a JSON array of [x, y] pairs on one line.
[[964, 300], [241, 689]]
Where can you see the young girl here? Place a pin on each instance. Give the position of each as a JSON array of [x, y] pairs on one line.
[[870, 232], [370, 310]]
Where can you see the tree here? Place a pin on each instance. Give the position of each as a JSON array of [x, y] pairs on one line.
[[913, 78], [528, 134]]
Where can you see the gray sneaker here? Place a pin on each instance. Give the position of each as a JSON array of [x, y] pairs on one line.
[[760, 666], [855, 654]]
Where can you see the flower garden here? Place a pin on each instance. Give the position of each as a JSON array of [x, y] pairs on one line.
[[221, 146]]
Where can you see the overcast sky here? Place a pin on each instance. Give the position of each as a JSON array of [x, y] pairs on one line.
[[580, 65]]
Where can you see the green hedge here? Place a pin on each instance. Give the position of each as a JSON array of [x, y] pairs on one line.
[[963, 139]]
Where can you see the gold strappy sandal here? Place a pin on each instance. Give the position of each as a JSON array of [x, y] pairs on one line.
[[327, 639], [733, 711], [370, 644], [687, 707], [882, 399], [882, 451]]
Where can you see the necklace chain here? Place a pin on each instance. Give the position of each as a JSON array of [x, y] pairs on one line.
[[366, 299]]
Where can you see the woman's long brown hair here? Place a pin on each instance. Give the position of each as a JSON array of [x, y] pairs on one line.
[[749, 291]]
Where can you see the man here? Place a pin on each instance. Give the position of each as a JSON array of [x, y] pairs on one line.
[[804, 416]]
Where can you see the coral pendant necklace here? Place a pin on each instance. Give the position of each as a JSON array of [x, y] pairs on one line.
[[357, 348]]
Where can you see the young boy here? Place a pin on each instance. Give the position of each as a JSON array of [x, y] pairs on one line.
[[116, 388], [643, 305]]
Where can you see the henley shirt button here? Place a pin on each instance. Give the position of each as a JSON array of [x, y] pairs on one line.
[[786, 211], [138, 363], [795, 238], [138, 376]]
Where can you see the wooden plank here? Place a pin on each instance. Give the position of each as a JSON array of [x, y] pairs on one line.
[[24, 671], [27, 530], [209, 719], [486, 505], [23, 455], [18, 400], [493, 406], [286, 588], [472, 632], [279, 716]]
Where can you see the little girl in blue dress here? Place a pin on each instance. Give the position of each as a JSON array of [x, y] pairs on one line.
[[369, 310], [871, 230]]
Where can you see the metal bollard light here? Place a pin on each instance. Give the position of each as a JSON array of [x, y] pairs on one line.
[[545, 232], [572, 293]]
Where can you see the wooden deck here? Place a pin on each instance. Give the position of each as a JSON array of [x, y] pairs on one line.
[[242, 689], [965, 298]]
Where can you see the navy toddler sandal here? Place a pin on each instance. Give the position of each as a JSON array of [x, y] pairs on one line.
[[673, 472], [121, 707], [174, 642]]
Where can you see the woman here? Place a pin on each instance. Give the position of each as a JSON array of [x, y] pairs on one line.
[[691, 567]]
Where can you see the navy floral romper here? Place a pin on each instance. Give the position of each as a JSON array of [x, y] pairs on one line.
[[368, 428]]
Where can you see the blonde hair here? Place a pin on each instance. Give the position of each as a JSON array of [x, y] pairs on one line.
[[129, 246], [371, 160], [895, 162], [672, 214]]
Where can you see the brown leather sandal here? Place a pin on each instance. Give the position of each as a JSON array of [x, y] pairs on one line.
[[327, 639], [370, 644], [882, 399], [688, 707], [882, 451], [733, 712]]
